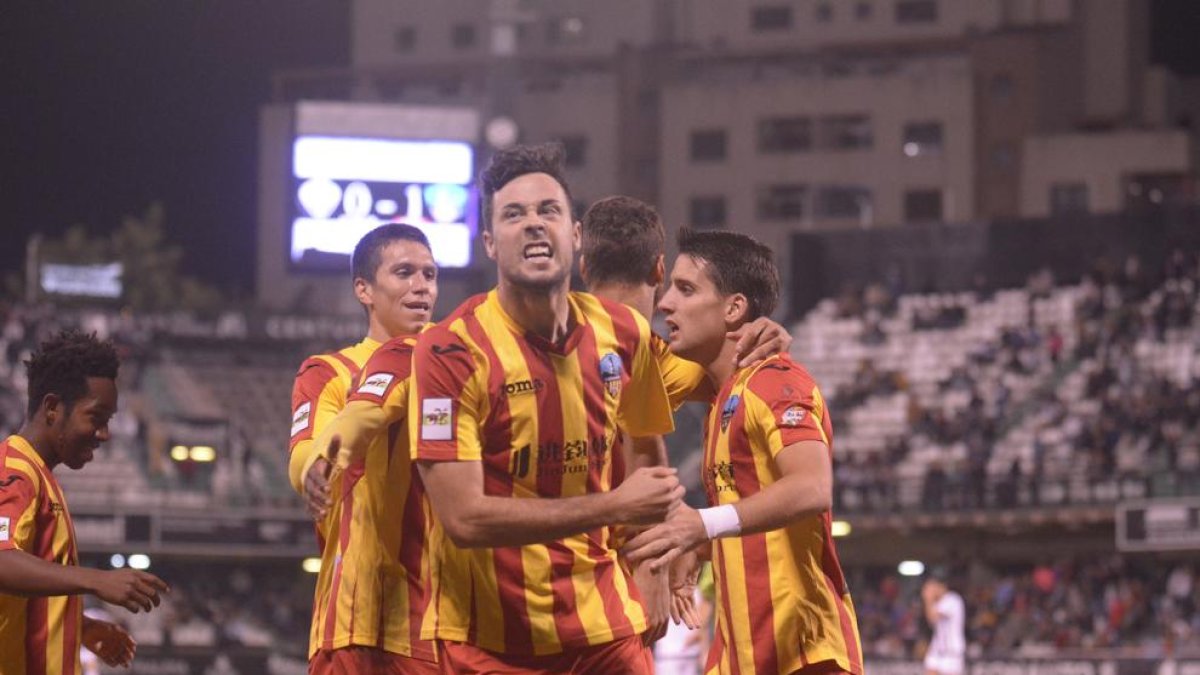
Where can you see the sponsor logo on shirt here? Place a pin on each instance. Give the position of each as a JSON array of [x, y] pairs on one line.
[[523, 387], [793, 416], [442, 350], [302, 417], [4, 528], [731, 406], [376, 384], [436, 420], [720, 477], [610, 373]]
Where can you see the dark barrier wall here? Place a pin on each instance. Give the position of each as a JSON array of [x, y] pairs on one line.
[[942, 257]]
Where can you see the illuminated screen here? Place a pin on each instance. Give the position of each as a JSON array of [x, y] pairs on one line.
[[343, 188]]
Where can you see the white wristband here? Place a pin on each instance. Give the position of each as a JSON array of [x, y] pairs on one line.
[[721, 521]]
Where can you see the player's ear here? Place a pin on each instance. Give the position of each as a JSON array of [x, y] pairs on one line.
[[489, 244], [362, 291], [577, 237], [659, 273], [737, 309]]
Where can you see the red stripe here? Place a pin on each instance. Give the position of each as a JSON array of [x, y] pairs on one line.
[[594, 403], [721, 575], [37, 633], [70, 639], [507, 564], [411, 555], [353, 367], [314, 374], [348, 480], [852, 649]]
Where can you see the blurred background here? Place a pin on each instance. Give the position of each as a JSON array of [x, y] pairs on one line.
[[985, 214]]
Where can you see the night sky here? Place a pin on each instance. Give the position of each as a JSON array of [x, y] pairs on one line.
[[107, 106]]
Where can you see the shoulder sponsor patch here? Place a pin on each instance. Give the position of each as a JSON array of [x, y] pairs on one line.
[[376, 384], [4, 527], [437, 424], [793, 416], [302, 418]]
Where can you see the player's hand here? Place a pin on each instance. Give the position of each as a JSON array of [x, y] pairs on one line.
[[757, 340], [656, 599], [316, 481], [647, 496], [663, 543], [134, 590], [684, 575], [110, 642]]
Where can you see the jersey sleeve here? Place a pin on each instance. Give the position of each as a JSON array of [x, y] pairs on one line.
[[645, 408], [19, 489], [787, 407], [318, 394], [447, 401], [684, 380], [384, 379]]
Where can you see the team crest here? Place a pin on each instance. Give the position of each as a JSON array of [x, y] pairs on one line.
[[610, 373], [727, 412], [793, 416]]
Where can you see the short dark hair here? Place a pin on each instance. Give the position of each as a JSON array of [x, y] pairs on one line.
[[736, 263], [63, 364], [369, 250], [519, 160], [622, 240]]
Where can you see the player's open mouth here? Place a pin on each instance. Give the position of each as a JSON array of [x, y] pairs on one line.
[[417, 306], [672, 328], [541, 250]]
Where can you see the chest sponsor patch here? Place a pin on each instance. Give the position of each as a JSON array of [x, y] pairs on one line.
[[376, 384], [4, 528], [793, 416], [436, 420], [302, 418]]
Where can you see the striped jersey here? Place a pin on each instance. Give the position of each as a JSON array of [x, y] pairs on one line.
[[38, 636], [363, 588], [542, 419], [782, 601]]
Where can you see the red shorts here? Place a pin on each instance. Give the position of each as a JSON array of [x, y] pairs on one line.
[[627, 656], [357, 660]]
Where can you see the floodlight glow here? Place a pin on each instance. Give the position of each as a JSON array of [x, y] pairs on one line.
[[311, 565], [117, 561], [911, 568], [139, 561], [839, 528], [179, 453]]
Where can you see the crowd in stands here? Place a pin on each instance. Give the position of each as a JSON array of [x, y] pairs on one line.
[[1146, 608]]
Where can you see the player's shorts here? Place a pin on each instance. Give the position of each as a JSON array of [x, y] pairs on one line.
[[358, 660], [627, 656], [945, 664]]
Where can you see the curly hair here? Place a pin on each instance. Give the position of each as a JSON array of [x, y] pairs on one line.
[[519, 160], [63, 364], [622, 240]]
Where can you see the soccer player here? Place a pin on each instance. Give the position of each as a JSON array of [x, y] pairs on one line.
[[515, 403], [782, 604], [622, 259], [946, 613], [72, 396], [366, 596]]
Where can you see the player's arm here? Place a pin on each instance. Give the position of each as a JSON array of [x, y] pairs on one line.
[[316, 399], [378, 399], [804, 489], [27, 576], [758, 340], [473, 519]]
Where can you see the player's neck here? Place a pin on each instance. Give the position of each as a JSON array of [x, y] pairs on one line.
[[637, 296], [41, 439], [721, 367], [543, 312], [376, 331]]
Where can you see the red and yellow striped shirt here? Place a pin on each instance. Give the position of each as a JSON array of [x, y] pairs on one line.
[[37, 635], [542, 419], [782, 601], [364, 589]]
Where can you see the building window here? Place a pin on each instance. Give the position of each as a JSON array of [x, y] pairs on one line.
[[462, 36], [916, 11], [770, 18], [1068, 198], [405, 39], [923, 206], [564, 30], [843, 201], [782, 201], [708, 145], [863, 10], [575, 147], [846, 132], [823, 12], [707, 213], [785, 134], [922, 138]]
